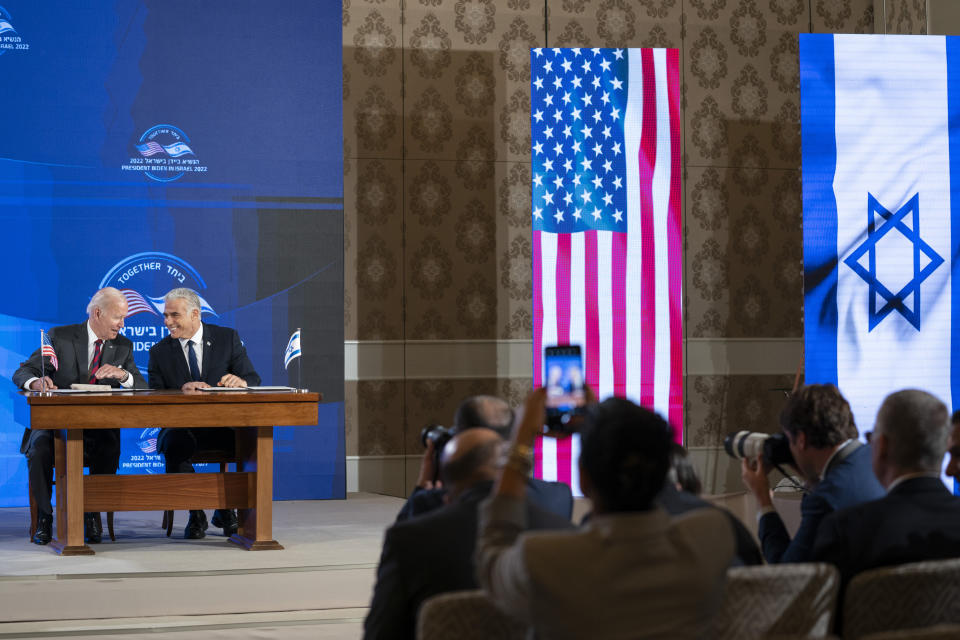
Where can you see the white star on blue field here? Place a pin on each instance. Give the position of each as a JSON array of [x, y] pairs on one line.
[[578, 99]]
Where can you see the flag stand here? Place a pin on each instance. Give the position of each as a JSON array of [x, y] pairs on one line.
[[299, 367], [43, 373]]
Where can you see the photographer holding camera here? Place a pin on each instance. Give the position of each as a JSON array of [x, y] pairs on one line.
[[834, 464], [489, 412], [433, 553]]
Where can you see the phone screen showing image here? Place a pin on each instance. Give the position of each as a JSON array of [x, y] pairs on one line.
[[564, 379]]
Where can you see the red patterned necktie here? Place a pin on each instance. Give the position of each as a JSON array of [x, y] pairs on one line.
[[95, 363]]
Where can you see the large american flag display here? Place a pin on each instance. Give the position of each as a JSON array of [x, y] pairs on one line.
[[607, 252]]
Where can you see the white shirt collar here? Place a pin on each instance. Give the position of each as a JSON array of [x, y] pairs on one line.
[[91, 336], [834, 455], [197, 338]]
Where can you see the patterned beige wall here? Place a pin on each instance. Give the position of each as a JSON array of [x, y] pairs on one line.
[[437, 187]]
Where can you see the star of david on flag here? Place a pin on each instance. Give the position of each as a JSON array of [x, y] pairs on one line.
[[925, 261], [880, 123], [606, 214]]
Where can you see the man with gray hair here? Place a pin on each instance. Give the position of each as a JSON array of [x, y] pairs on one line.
[[197, 355], [90, 352], [918, 519], [488, 412], [433, 553]]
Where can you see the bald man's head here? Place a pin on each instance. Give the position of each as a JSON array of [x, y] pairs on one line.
[[471, 457], [484, 411]]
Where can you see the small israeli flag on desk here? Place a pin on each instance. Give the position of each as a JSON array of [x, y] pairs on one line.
[[293, 349], [880, 121]]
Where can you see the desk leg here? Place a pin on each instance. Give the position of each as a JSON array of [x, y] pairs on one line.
[[68, 461], [255, 446]]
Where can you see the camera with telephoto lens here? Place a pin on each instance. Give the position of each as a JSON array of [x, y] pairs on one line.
[[750, 445], [440, 436]]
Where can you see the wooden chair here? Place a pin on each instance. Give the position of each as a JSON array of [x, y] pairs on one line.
[[784, 600], [908, 596], [200, 457], [34, 514], [466, 615]]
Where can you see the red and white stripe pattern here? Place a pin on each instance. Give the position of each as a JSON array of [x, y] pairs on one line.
[[618, 293], [136, 303], [46, 349]]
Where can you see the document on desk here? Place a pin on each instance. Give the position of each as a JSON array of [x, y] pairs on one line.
[[103, 390], [248, 389]]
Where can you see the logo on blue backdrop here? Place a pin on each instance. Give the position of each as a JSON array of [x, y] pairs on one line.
[[148, 460], [144, 278], [10, 39], [147, 442], [164, 154], [921, 261]]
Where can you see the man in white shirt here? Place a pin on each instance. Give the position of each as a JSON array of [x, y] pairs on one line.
[[89, 352], [197, 355]]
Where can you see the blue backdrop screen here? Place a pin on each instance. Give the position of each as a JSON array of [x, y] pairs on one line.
[[148, 145]]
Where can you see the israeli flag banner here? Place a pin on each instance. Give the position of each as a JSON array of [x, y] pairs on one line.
[[880, 118]]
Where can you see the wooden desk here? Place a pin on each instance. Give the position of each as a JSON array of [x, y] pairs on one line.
[[249, 489]]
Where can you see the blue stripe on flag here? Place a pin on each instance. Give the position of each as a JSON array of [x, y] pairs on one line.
[[819, 146], [953, 113]]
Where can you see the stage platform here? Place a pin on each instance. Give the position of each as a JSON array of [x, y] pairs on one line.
[[143, 584]]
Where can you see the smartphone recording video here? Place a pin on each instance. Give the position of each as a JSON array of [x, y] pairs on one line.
[[564, 383]]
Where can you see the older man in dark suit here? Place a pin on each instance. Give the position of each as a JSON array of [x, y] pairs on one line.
[[197, 355], [919, 519], [488, 412], [89, 352], [433, 553]]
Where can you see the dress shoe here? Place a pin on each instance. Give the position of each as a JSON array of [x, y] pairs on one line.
[[44, 532], [226, 519], [196, 526], [92, 528]]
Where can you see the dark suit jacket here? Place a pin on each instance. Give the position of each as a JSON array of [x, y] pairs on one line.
[[676, 502], [848, 482], [554, 497], [222, 353], [70, 344], [432, 554], [918, 520]]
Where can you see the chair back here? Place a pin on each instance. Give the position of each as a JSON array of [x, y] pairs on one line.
[[936, 632], [778, 601], [914, 595], [465, 615]]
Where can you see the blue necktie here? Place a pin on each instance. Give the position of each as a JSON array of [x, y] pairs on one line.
[[192, 359]]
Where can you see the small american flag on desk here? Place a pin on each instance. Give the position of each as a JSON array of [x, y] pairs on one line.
[[607, 234], [46, 349]]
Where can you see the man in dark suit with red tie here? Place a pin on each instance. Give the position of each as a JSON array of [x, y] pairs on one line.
[[89, 352], [194, 356]]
